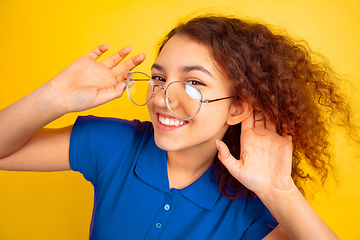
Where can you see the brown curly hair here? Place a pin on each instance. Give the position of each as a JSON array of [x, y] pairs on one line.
[[280, 79]]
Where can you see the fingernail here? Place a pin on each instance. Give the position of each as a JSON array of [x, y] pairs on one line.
[[125, 50], [129, 84], [217, 144], [141, 56]]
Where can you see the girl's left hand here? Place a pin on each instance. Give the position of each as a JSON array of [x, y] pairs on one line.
[[265, 159]]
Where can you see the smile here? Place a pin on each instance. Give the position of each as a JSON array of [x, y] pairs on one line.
[[171, 121]]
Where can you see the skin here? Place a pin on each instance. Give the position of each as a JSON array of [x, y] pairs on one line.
[[191, 147], [265, 163], [84, 84]]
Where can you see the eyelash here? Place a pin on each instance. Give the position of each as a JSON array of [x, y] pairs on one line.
[[158, 78], [196, 82], [192, 82]]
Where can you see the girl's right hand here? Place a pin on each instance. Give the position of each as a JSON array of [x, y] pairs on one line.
[[87, 83]]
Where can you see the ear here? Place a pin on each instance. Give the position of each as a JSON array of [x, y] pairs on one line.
[[239, 111]]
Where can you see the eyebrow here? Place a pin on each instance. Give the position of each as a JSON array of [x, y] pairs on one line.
[[184, 69], [157, 67], [195, 68]]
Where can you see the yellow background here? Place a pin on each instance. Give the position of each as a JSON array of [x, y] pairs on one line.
[[40, 38]]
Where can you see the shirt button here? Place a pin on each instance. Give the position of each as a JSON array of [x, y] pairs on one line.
[[158, 225], [167, 207]]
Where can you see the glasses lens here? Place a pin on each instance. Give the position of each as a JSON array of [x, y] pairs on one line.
[[139, 88], [184, 100]]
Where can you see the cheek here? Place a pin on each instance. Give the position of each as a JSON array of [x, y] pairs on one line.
[[150, 107], [214, 112], [211, 118], [149, 92]]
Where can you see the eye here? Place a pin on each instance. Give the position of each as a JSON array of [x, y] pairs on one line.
[[195, 82], [158, 78]]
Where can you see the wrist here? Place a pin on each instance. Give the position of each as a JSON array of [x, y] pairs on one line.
[[279, 194], [50, 101], [295, 215]]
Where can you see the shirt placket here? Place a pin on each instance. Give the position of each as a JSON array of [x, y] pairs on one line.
[[161, 218]]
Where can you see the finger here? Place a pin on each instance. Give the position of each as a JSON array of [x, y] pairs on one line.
[[287, 137], [117, 57], [268, 124], [259, 124], [232, 164], [248, 123], [98, 51], [128, 65]]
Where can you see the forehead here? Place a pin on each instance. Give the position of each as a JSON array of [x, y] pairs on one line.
[[181, 50]]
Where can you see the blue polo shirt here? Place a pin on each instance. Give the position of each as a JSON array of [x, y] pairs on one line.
[[132, 196]]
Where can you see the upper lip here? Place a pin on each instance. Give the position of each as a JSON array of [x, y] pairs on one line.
[[166, 115]]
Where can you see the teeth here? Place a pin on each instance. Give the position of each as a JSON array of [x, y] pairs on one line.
[[171, 121]]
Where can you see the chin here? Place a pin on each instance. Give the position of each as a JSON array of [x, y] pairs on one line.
[[168, 144], [164, 145]]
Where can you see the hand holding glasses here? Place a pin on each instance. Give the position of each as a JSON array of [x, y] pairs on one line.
[[182, 98]]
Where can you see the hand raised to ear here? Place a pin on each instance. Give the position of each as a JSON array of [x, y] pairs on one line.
[[265, 159], [87, 83]]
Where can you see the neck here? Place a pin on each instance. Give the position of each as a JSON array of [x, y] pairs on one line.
[[186, 166]]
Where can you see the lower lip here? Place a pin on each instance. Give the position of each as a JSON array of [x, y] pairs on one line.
[[166, 128]]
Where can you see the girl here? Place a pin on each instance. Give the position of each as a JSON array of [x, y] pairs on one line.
[[218, 83]]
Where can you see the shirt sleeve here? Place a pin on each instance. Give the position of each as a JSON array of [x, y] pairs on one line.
[[94, 141], [261, 226]]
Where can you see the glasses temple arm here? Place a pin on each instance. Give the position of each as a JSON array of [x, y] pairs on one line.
[[215, 100], [138, 80]]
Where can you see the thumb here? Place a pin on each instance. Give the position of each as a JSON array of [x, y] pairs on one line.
[[109, 94], [224, 155], [119, 89]]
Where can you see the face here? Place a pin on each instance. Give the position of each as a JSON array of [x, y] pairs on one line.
[[183, 59]]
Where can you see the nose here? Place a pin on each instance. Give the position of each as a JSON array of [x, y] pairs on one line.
[[158, 96]]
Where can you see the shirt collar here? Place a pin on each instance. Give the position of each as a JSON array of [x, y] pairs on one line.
[[151, 168], [203, 191]]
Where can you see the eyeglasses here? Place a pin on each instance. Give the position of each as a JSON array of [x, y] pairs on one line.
[[182, 99]]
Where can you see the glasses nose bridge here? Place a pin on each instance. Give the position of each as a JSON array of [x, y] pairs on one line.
[[161, 87]]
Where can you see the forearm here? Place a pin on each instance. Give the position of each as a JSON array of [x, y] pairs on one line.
[[21, 120], [296, 216], [84, 84]]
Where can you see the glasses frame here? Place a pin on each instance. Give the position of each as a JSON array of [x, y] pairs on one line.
[[167, 100]]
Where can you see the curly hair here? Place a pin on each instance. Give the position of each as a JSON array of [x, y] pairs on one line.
[[280, 79]]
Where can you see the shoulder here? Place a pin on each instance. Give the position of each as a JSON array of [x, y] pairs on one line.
[[109, 125], [255, 218], [248, 203], [95, 141], [258, 221], [110, 133]]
